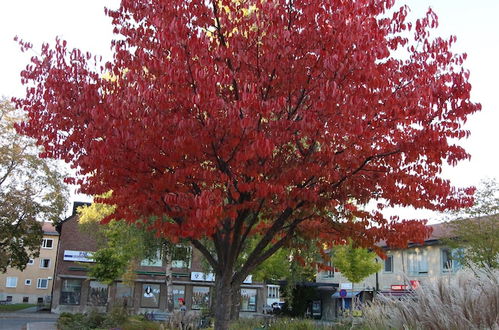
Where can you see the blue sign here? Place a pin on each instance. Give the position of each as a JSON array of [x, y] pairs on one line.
[[343, 293]]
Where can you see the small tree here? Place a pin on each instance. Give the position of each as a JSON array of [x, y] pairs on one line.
[[355, 263], [476, 229]]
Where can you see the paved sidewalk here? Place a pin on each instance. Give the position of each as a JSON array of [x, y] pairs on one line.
[[41, 326]]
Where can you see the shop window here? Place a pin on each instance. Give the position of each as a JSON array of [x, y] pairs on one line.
[[11, 282], [124, 295], [71, 292], [42, 283], [450, 260], [47, 243], [150, 295], [388, 264], [44, 263], [417, 263], [200, 297], [181, 256], [178, 292], [248, 300], [97, 293]]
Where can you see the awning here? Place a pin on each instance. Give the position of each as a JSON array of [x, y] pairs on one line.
[[350, 294]]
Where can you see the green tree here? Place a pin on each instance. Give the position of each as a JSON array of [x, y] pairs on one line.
[[121, 246], [355, 263], [475, 230], [31, 190]]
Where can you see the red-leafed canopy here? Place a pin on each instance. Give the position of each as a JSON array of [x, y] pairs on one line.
[[259, 116]]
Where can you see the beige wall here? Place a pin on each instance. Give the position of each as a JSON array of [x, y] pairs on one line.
[[400, 274], [32, 272]]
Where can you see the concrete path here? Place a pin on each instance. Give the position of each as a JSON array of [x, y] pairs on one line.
[[41, 326], [26, 319]]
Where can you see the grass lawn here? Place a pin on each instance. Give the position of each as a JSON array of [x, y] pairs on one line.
[[14, 307]]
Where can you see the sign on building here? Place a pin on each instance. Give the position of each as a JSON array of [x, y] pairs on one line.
[[80, 256]]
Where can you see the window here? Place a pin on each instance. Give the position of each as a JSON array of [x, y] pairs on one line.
[[11, 282], [273, 292], [47, 243], [97, 293], [200, 297], [330, 272], [124, 295], [450, 260], [25, 299], [44, 263], [417, 263], [42, 283], [155, 261], [27, 282], [388, 264], [181, 257], [150, 295], [248, 300], [71, 292], [31, 261], [178, 294]]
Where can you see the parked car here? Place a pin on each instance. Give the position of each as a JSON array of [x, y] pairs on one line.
[[277, 307]]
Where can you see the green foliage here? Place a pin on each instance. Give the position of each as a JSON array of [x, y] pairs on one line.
[[117, 318], [31, 190], [275, 268], [277, 324], [477, 229], [122, 245], [355, 263]]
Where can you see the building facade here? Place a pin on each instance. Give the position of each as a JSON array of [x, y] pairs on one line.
[[401, 271], [33, 284], [75, 291]]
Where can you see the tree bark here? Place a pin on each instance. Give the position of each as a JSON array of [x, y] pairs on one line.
[[223, 303], [236, 302]]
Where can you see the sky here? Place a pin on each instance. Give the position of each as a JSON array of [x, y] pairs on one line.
[[84, 25]]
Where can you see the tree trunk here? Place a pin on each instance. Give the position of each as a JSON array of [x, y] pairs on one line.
[[223, 302], [236, 303]]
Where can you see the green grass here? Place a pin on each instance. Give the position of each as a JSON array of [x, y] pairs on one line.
[[14, 307]]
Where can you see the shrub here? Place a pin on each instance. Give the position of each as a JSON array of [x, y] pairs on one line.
[[466, 301], [277, 324]]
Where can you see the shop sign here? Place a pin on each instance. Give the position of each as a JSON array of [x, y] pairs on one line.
[[398, 287], [210, 277], [80, 256], [346, 286], [200, 276]]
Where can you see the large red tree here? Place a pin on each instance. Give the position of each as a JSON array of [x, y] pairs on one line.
[[258, 117]]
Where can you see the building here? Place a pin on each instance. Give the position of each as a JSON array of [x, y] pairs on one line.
[[402, 270], [34, 283], [75, 291]]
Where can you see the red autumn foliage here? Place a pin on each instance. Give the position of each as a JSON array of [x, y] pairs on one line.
[[270, 117]]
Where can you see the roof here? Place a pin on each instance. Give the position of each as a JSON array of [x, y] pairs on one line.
[[442, 230], [49, 229]]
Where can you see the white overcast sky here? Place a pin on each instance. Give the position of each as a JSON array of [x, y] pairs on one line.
[[84, 25]]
